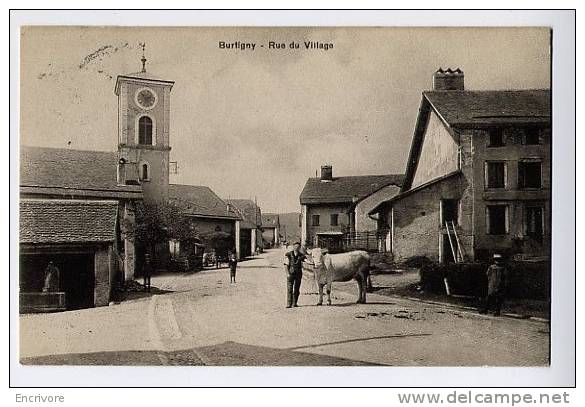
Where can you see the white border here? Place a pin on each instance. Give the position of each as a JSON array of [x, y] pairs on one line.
[[561, 372]]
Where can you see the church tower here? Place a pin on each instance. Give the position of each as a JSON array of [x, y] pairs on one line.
[[143, 132]]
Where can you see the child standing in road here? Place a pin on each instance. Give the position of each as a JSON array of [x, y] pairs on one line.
[[233, 262]]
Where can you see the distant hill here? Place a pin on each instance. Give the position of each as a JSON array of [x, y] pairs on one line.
[[290, 228]]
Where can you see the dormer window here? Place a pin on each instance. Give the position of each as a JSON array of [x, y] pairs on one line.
[[145, 131]]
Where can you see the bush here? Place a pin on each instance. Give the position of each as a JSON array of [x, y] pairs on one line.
[[530, 280], [417, 262]]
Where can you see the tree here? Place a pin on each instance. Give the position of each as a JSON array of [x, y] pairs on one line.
[[158, 223], [221, 242]]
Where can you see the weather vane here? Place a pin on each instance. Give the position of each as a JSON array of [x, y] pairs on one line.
[[143, 45]]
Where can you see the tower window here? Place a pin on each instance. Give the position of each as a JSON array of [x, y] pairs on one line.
[[145, 130], [144, 172]]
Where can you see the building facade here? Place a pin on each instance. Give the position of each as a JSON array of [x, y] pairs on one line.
[[74, 214], [270, 230], [335, 207], [217, 224], [68, 196], [250, 226], [477, 178]]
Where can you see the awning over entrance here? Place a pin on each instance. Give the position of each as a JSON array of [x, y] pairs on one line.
[[58, 221]]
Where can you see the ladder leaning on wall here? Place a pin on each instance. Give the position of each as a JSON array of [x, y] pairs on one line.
[[457, 256]]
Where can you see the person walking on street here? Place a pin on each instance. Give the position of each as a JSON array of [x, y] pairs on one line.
[[497, 280], [293, 266], [147, 272], [233, 263]]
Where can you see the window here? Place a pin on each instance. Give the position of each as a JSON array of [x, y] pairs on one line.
[[531, 136], [144, 172], [495, 174], [315, 219], [529, 174], [334, 219], [145, 130], [449, 211], [497, 219], [496, 138], [533, 222]]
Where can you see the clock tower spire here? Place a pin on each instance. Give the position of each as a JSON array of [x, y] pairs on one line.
[[143, 131], [143, 57]]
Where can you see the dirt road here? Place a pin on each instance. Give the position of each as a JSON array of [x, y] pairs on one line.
[[205, 320]]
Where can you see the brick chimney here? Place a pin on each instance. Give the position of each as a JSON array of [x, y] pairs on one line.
[[448, 80], [326, 173]]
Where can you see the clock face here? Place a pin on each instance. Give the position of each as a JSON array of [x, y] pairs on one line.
[[145, 98]]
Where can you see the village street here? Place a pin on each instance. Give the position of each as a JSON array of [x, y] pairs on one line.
[[202, 319]]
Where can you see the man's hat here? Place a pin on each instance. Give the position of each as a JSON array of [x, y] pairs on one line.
[[299, 243]]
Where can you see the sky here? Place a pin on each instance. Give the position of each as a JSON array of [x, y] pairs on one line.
[[259, 123]]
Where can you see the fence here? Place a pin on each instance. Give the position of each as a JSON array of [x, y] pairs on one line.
[[369, 240]]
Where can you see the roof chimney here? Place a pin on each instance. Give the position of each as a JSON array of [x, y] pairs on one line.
[[448, 80], [326, 173]]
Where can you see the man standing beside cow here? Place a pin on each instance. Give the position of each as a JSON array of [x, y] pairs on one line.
[[293, 266], [326, 268]]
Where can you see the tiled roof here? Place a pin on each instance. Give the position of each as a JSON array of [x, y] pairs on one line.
[[461, 108], [344, 189], [270, 220], [411, 191], [250, 212], [63, 171], [52, 221], [476, 109], [201, 201], [143, 76]]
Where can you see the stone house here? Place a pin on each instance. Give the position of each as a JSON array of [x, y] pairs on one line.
[[215, 221], [250, 225], [270, 229], [478, 176], [334, 207], [72, 213]]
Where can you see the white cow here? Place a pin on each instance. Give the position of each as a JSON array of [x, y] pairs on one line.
[[328, 268]]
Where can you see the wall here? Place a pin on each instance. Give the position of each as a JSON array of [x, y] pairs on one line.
[[324, 211], [439, 152], [103, 272], [129, 244], [416, 234], [157, 155], [160, 113], [515, 198], [363, 221], [268, 235], [209, 225], [416, 220]]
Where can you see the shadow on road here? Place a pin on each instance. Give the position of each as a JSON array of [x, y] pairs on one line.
[[222, 354], [317, 345]]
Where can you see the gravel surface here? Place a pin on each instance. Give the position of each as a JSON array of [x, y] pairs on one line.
[[202, 319]]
